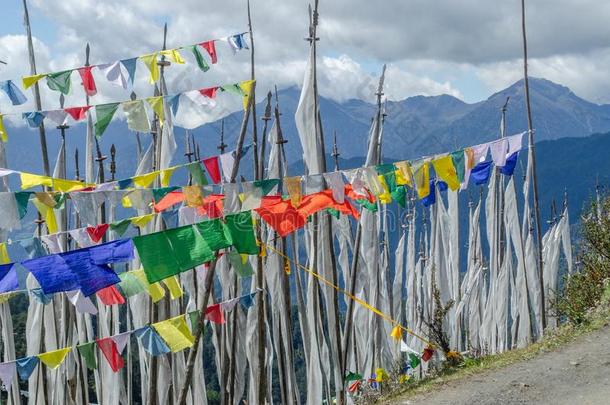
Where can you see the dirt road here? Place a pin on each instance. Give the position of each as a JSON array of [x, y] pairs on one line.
[[575, 374]]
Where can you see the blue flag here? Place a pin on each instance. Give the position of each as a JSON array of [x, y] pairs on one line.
[[151, 341], [26, 366], [13, 92], [480, 173], [130, 67], [34, 118]]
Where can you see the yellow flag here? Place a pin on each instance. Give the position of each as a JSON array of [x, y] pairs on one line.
[[156, 103], [166, 176], [247, 87], [3, 133], [469, 153], [46, 199], [175, 333], [4, 258], [126, 202], [404, 176], [146, 179], [55, 358], [66, 186], [150, 61], [48, 214], [174, 55], [29, 81], [193, 196], [173, 285], [293, 186], [4, 297], [396, 332], [385, 197], [381, 375], [142, 220], [445, 170], [29, 180], [421, 176], [155, 290]]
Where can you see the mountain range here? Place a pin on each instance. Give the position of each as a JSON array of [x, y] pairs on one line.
[[569, 157]]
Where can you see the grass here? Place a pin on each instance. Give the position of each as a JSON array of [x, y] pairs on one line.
[[565, 334]]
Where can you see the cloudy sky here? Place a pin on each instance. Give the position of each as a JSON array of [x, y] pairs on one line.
[[467, 48]]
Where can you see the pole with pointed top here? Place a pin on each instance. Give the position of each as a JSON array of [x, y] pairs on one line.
[[266, 118], [530, 136]]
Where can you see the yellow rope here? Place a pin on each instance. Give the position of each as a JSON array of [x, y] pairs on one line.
[[354, 298]]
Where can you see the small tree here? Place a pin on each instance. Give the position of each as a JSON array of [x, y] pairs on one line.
[[435, 324], [583, 290]]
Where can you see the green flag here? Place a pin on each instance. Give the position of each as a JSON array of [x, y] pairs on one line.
[[22, 198], [333, 212], [215, 234], [103, 116], [87, 350], [457, 158], [399, 194], [156, 255], [130, 285], [60, 81], [120, 226], [159, 193], [197, 174], [351, 376], [266, 185], [233, 88], [241, 268], [203, 65], [414, 360], [241, 230], [190, 248], [385, 168]]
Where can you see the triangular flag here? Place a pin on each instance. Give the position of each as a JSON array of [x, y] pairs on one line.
[[351, 376], [25, 366], [150, 61], [29, 81], [97, 233], [145, 180], [103, 117], [55, 358], [121, 340], [110, 296], [78, 113], [60, 81], [166, 176], [57, 116], [120, 226], [130, 66], [88, 81], [414, 360], [156, 103], [210, 47], [203, 65], [151, 341], [13, 92], [211, 165], [109, 348], [113, 73], [175, 333], [33, 118], [396, 333], [215, 314], [142, 220], [247, 87], [87, 350], [209, 92]]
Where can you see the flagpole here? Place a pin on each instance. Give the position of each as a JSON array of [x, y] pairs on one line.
[[36, 90], [530, 137]]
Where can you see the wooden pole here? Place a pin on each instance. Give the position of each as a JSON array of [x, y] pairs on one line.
[[190, 363], [36, 90], [530, 137]]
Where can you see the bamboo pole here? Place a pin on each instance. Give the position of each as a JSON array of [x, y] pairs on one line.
[[530, 137]]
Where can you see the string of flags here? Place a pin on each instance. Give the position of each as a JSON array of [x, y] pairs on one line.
[[122, 72], [136, 111], [169, 336]]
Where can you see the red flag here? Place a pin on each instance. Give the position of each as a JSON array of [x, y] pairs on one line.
[[110, 296], [211, 164], [111, 352], [77, 113], [214, 314], [88, 81], [169, 200], [97, 232], [354, 387], [212, 206], [312, 203], [210, 92], [282, 217], [428, 352], [210, 46]]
